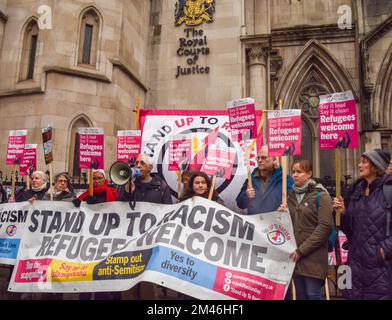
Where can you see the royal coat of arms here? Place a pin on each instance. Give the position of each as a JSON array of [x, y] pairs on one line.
[[194, 12]]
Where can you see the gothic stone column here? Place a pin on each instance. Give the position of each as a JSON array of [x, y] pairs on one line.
[[257, 64]]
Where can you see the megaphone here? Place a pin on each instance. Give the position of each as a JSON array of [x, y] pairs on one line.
[[120, 173]]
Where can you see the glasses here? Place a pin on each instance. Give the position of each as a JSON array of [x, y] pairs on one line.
[[62, 181], [142, 163], [98, 178], [262, 158]]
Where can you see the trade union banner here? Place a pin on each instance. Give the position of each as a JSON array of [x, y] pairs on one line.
[[196, 247], [203, 128]]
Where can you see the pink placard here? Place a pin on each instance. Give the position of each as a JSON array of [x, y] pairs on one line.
[[338, 124], [91, 148], [342, 238], [284, 132], [15, 147], [219, 162], [128, 144], [332, 258], [242, 117], [245, 286], [180, 150], [29, 161]]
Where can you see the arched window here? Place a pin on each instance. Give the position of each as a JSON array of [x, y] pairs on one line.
[[73, 165], [88, 38], [313, 73], [29, 51]]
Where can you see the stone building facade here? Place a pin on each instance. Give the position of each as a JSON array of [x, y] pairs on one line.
[[292, 50]]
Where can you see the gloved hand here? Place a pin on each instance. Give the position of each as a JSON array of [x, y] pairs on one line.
[[77, 202], [91, 200]]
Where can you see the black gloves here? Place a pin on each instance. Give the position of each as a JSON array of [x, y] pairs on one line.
[[77, 202], [91, 200]]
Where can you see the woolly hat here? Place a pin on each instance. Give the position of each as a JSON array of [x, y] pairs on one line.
[[380, 158], [100, 171]]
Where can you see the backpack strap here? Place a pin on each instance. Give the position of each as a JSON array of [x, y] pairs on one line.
[[317, 200], [387, 190]]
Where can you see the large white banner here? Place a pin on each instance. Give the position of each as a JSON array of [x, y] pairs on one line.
[[12, 221], [196, 247], [203, 128]]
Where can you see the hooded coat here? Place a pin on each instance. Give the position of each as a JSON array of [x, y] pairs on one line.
[[365, 224]]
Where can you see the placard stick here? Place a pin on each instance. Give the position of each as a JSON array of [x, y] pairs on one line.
[[137, 111], [284, 169], [90, 182], [338, 192], [293, 291], [327, 289], [51, 181], [28, 182], [13, 177], [212, 187], [247, 156], [179, 183]]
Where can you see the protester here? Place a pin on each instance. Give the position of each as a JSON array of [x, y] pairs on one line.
[[148, 187], [62, 189], [266, 194], [3, 194], [312, 223], [389, 168], [183, 183], [101, 191], [368, 229], [39, 186], [199, 185]]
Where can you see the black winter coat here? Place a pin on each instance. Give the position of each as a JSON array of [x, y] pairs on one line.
[[28, 194], [155, 191], [364, 223]]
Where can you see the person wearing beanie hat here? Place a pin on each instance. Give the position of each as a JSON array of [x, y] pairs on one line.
[[379, 158], [366, 223]]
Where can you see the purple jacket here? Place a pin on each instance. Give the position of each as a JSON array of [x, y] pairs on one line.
[[364, 223]]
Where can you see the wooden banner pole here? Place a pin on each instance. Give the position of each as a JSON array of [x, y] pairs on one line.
[[212, 187], [13, 177], [90, 182], [28, 182], [338, 191], [51, 181], [284, 169]]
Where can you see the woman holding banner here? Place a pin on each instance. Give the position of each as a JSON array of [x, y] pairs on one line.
[[367, 224], [199, 185], [39, 186], [311, 210], [101, 191]]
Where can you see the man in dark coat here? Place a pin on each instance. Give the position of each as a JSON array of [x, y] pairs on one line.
[[365, 224], [148, 187], [266, 194]]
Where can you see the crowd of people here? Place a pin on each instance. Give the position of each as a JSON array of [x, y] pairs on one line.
[[366, 215]]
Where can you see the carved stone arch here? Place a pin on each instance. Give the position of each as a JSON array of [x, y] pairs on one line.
[[315, 72], [80, 121], [29, 30], [313, 57], [382, 102]]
